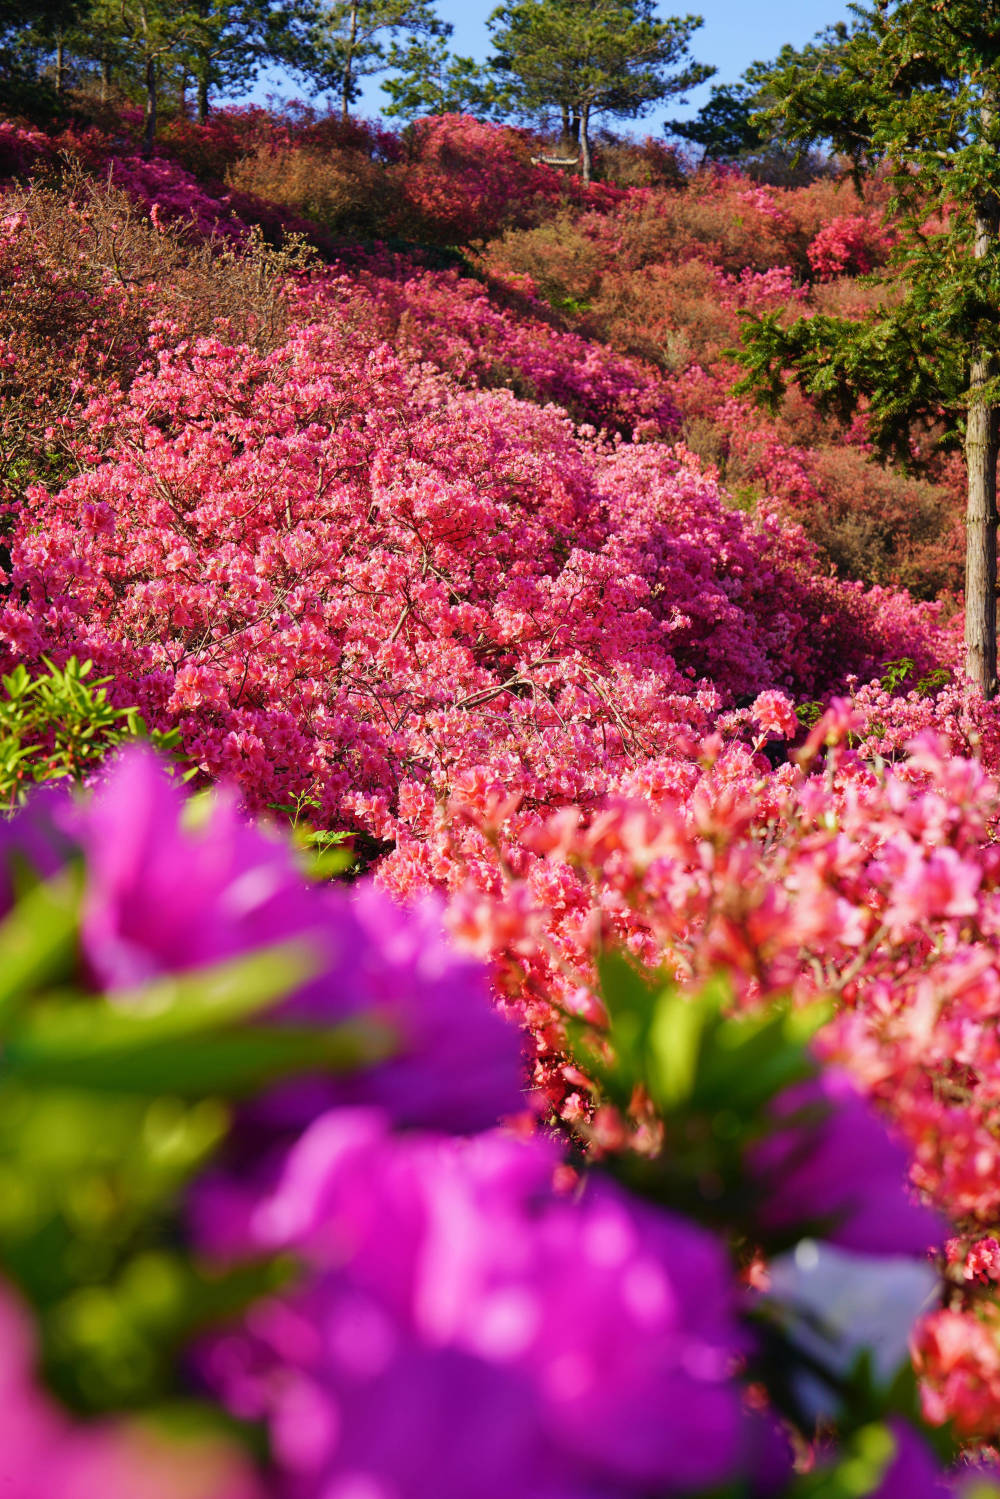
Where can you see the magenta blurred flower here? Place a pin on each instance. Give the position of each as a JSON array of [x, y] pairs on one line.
[[162, 897], [832, 1170], [913, 1471], [460, 1063], [602, 1330]]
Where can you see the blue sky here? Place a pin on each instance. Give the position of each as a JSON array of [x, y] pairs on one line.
[[735, 33]]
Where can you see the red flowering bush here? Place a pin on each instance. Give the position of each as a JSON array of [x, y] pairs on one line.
[[469, 181], [22, 149], [208, 148], [340, 575], [851, 245]]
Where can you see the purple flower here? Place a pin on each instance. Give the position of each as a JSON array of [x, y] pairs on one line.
[[35, 842], [163, 897], [459, 1065], [604, 1329], [379, 1416], [913, 1472], [832, 1170]]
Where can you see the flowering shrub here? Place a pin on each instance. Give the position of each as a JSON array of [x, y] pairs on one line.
[[852, 244], [169, 193], [340, 577], [208, 148], [22, 149], [661, 271], [451, 322], [469, 181]]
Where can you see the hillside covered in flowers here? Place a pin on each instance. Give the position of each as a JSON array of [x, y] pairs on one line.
[[395, 483]]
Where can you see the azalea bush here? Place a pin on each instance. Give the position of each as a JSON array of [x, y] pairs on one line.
[[667, 276], [334, 573]]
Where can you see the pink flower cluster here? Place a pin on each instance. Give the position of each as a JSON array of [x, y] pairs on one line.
[[169, 194], [346, 579], [850, 245], [451, 322], [21, 149]]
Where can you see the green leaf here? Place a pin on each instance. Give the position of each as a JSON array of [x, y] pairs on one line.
[[748, 1059], [187, 1033], [676, 1034], [37, 941], [233, 1064]]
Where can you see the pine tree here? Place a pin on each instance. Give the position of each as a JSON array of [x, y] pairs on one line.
[[32, 34], [228, 41], [148, 39], [428, 79], [725, 127], [911, 91], [611, 57], [337, 43]]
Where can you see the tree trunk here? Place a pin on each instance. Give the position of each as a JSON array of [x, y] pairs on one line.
[[570, 138], [60, 65], [981, 443], [585, 143], [348, 78], [203, 96], [149, 133], [105, 76]]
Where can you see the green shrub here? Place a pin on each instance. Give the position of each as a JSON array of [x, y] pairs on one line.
[[59, 726]]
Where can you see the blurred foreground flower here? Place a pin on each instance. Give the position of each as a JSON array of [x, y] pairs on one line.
[[831, 1164], [603, 1332]]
